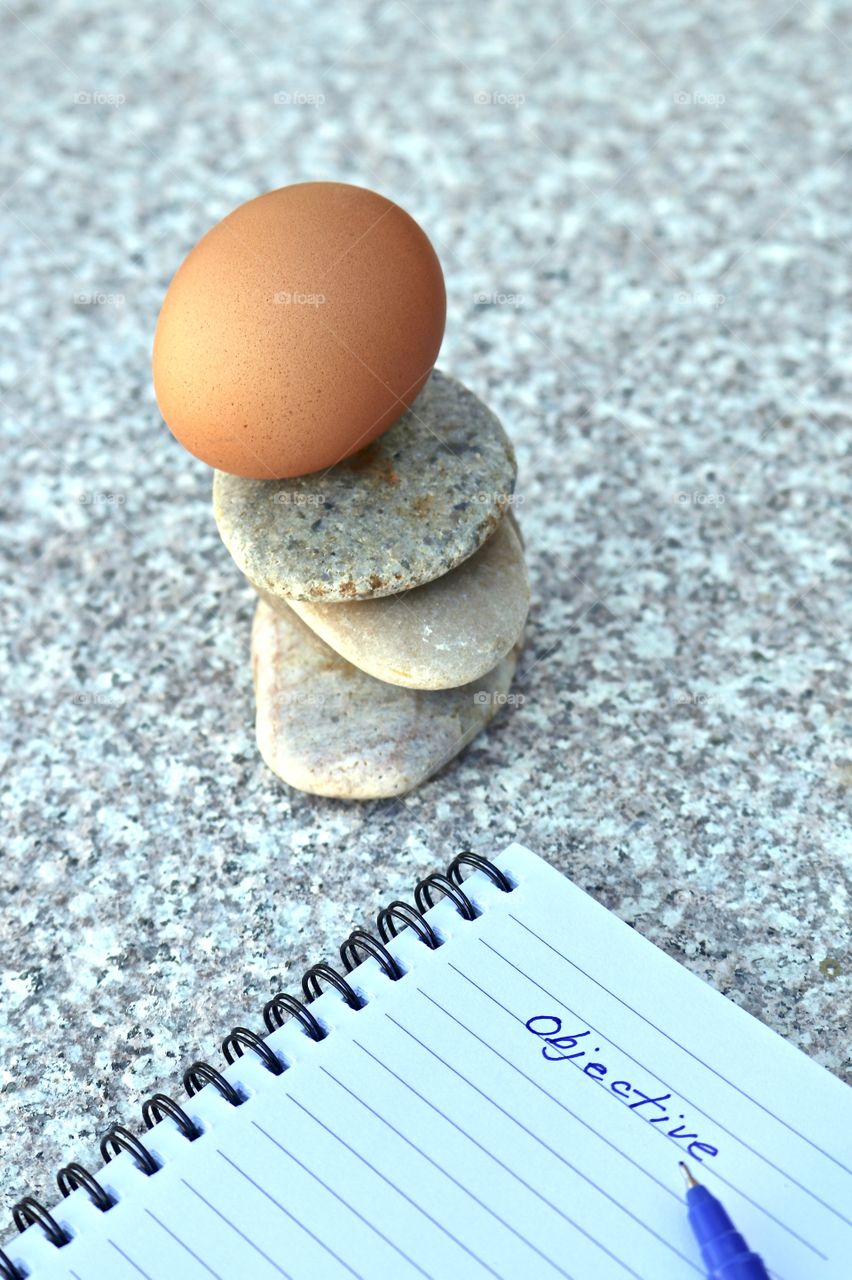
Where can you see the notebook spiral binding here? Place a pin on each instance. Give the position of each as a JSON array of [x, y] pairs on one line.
[[239, 1040]]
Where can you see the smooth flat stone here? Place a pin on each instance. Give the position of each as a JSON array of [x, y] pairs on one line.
[[443, 634], [330, 729], [405, 510]]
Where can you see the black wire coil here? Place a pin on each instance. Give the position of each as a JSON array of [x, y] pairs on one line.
[[276, 1011]]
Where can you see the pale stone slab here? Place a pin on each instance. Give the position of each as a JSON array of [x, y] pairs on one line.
[[443, 634], [405, 510], [328, 728]]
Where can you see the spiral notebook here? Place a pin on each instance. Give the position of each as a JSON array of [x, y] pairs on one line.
[[505, 1089]]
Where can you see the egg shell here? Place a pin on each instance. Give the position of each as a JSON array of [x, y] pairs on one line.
[[298, 330]]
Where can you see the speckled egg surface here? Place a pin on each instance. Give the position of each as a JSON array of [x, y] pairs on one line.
[[298, 330]]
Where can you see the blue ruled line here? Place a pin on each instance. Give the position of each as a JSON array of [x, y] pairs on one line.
[[673, 1041], [541, 1142], [127, 1258], [561, 1104], [298, 1222], [784, 1173], [341, 1200], [389, 1182], [234, 1227], [467, 1191], [183, 1245]]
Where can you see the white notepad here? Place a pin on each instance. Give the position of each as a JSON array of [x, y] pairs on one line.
[[496, 1112]]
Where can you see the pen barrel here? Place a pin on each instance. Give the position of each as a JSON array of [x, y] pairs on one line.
[[747, 1266], [724, 1251]]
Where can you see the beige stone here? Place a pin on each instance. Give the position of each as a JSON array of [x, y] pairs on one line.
[[437, 636], [330, 729]]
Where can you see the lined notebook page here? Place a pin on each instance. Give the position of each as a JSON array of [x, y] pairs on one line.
[[515, 1106]]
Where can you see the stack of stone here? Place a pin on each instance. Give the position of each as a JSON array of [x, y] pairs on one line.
[[392, 599]]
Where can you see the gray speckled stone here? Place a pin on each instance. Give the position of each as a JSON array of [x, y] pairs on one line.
[[328, 728], [411, 506], [445, 633]]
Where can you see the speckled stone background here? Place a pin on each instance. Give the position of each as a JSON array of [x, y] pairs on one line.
[[643, 213]]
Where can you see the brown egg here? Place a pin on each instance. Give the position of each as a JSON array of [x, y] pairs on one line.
[[298, 329]]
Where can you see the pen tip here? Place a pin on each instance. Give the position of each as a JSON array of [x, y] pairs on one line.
[[687, 1174]]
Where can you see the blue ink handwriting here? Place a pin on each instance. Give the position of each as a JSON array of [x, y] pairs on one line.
[[650, 1108]]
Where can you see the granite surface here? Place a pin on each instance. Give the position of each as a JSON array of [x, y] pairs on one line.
[[400, 513], [643, 215]]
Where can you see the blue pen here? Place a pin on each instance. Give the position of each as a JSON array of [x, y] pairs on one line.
[[725, 1253]]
